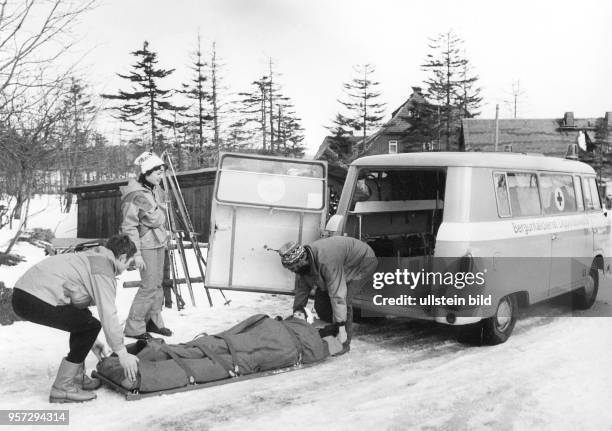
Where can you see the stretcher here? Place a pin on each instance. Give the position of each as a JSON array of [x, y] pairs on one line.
[[135, 394]]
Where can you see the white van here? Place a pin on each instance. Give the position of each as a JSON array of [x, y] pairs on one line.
[[531, 227]]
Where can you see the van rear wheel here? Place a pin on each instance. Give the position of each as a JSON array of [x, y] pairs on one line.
[[585, 297], [498, 328]]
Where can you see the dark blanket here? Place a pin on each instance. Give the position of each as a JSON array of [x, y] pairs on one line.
[[256, 344]]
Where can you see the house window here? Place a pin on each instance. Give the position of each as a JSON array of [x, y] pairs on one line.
[[508, 148], [392, 147], [427, 146]]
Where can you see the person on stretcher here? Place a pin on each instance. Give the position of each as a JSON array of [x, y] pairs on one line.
[[256, 344]]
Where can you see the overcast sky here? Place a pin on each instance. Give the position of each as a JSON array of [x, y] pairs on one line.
[[558, 50]]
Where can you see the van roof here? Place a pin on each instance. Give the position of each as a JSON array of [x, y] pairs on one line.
[[500, 160]]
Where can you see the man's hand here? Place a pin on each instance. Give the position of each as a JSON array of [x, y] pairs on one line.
[[300, 313], [99, 349], [129, 363], [342, 337], [139, 263]]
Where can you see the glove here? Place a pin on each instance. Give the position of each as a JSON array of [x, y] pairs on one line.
[[342, 337], [328, 331], [140, 263]]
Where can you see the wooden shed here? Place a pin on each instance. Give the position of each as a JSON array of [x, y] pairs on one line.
[[99, 205]]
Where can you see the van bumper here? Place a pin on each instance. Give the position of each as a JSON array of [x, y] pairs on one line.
[[369, 309], [446, 316]]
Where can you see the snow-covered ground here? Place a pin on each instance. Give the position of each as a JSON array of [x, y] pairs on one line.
[[554, 373]]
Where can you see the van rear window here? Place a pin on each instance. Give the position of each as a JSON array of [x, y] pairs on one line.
[[271, 183]]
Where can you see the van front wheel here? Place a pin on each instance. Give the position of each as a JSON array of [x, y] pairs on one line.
[[497, 329]]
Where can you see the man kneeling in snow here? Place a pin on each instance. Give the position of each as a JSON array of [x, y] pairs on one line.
[[256, 344]]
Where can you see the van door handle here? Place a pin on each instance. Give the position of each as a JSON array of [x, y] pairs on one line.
[[554, 237]]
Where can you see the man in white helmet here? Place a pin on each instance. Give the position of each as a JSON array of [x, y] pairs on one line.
[[144, 221], [338, 267]]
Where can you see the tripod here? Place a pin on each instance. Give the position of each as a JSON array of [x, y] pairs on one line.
[[173, 194]]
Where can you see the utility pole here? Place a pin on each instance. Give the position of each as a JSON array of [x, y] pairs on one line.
[[496, 126]]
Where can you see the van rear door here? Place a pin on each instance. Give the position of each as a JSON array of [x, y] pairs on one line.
[[259, 203]]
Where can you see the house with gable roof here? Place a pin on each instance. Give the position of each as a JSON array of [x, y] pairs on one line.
[[408, 130], [548, 136]]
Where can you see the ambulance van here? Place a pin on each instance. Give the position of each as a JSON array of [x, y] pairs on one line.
[[526, 227], [487, 232]]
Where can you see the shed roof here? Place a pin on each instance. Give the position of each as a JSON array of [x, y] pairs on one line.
[[114, 184]]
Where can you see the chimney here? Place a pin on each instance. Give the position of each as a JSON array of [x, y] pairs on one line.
[[568, 119], [417, 90], [608, 120]]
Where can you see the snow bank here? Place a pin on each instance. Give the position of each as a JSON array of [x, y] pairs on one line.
[[553, 374]]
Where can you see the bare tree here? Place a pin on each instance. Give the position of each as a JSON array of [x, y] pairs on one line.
[[515, 98], [28, 143], [33, 34]]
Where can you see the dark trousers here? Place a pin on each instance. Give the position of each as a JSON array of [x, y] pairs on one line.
[[83, 327], [322, 301], [323, 307]]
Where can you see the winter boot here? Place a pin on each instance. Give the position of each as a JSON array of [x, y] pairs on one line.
[[83, 381], [64, 389], [152, 327]]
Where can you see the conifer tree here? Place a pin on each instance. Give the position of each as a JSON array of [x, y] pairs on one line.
[[469, 99], [217, 100], [147, 103], [363, 112], [255, 108], [450, 84], [196, 92], [290, 133]]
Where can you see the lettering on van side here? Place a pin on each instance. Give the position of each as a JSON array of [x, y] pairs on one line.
[[545, 225]]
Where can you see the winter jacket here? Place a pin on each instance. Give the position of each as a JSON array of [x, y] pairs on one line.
[[257, 344], [81, 279], [144, 216], [334, 262]]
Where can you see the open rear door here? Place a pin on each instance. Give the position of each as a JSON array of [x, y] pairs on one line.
[[260, 203]]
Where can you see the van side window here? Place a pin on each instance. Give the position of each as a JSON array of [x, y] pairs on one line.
[[523, 192], [501, 193], [578, 190], [558, 194], [588, 199], [594, 194]]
